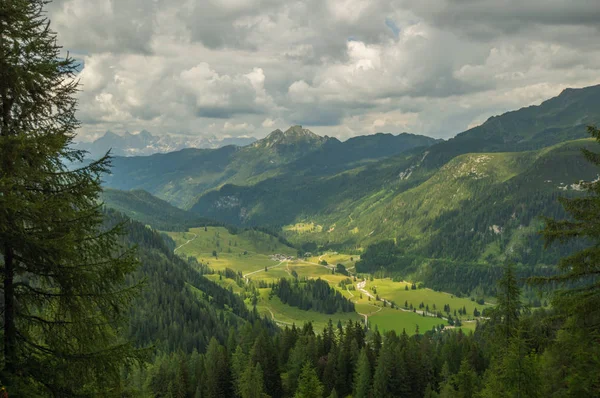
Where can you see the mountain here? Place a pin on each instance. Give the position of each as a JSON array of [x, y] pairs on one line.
[[471, 200], [141, 206], [294, 140], [556, 120], [181, 177], [144, 143]]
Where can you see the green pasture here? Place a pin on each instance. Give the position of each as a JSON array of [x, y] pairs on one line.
[[285, 314], [396, 292]]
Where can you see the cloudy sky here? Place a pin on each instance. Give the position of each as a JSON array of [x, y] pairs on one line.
[[338, 67]]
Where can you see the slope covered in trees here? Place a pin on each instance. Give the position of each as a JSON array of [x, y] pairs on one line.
[[177, 309], [148, 209], [315, 294]]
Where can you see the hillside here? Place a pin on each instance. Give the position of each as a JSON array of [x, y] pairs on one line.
[[180, 177], [415, 196], [141, 206], [556, 120], [471, 208], [469, 215], [178, 308]]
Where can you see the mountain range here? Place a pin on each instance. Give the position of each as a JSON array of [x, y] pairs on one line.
[[474, 199], [181, 177], [144, 143]]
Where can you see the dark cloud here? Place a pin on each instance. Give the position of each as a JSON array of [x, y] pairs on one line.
[[486, 19]]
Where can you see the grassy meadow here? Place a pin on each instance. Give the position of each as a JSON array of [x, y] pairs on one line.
[[249, 252]]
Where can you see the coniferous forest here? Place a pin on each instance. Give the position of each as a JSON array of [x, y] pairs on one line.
[[312, 294], [95, 303]]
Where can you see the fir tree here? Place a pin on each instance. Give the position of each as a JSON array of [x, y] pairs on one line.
[[362, 378], [505, 316], [252, 384], [577, 302], [217, 375], [309, 385], [63, 293]]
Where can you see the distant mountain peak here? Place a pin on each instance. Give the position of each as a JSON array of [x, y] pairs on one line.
[[145, 143], [295, 135]]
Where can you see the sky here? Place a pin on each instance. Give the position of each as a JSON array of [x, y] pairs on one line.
[[339, 67]]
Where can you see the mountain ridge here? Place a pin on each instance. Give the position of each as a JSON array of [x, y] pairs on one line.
[[180, 177], [145, 144]]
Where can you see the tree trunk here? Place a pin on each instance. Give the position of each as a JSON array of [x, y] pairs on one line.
[[9, 310]]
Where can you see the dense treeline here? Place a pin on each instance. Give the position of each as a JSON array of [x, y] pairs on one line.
[[312, 294], [177, 309]]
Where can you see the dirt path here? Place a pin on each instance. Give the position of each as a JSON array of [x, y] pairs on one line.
[[180, 246], [368, 315], [361, 287], [275, 320], [351, 295], [260, 270]]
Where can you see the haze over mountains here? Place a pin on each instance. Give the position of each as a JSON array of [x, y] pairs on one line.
[[144, 143]]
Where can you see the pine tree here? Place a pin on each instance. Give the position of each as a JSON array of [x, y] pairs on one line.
[[466, 380], [515, 374], [577, 303], [508, 309], [309, 385], [63, 293], [581, 268], [362, 378], [217, 375], [264, 353], [386, 377], [252, 384]]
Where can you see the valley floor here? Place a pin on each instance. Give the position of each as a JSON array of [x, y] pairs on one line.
[[259, 258]]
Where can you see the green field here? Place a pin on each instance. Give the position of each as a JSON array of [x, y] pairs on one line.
[[247, 251], [395, 319], [397, 293], [288, 315], [301, 228], [334, 258]]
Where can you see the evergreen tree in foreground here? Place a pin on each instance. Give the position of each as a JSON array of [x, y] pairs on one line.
[[577, 347], [63, 292], [309, 385]]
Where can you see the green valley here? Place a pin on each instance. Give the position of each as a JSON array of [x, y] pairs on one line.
[[254, 260], [299, 265]]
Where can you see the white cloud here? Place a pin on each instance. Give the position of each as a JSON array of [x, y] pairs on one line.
[[343, 67]]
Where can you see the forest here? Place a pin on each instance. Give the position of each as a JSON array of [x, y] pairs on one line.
[[313, 294]]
